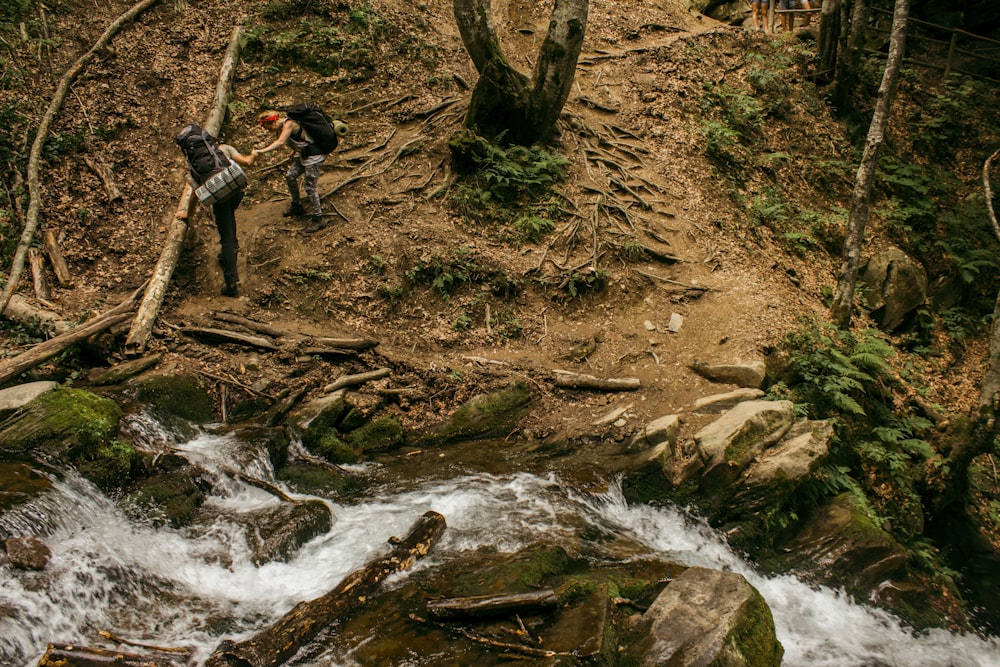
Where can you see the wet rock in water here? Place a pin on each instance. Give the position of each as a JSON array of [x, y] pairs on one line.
[[276, 533], [173, 496], [749, 375], [181, 396], [845, 548], [28, 553], [582, 627], [708, 617], [19, 484]]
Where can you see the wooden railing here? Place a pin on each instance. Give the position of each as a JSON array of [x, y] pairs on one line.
[[949, 50]]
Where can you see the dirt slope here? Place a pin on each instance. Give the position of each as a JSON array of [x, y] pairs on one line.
[[632, 134]]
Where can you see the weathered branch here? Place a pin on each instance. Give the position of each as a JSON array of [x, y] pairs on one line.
[[56, 259], [35, 156], [142, 325], [353, 380], [277, 643], [103, 172], [568, 380], [226, 336], [483, 606], [70, 655]]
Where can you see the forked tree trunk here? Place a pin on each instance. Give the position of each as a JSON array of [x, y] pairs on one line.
[[847, 278], [505, 102]]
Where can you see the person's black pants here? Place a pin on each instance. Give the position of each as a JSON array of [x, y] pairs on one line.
[[225, 221]]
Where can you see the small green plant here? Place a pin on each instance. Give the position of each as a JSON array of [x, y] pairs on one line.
[[448, 273], [532, 227], [722, 143], [376, 265], [588, 280]]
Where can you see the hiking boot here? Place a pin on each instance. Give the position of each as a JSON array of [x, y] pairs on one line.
[[230, 290], [294, 209], [317, 224]]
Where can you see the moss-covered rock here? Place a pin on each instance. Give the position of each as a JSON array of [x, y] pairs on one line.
[[67, 424], [176, 396], [172, 497], [112, 466], [333, 449], [19, 484], [484, 416], [523, 572], [307, 478], [711, 618], [381, 435]]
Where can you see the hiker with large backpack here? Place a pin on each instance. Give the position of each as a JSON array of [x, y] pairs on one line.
[[214, 170], [310, 134]]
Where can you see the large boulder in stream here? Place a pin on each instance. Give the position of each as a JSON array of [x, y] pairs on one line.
[[844, 548], [337, 431], [708, 618]]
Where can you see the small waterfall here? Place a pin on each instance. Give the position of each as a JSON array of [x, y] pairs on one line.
[[195, 587]]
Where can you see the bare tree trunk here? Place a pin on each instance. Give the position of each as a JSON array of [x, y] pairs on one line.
[[829, 40], [843, 301], [852, 50], [142, 325], [989, 395], [34, 158], [505, 102]]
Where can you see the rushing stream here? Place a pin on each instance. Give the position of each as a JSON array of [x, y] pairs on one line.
[[171, 587]]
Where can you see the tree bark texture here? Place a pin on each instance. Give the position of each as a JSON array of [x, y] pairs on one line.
[[843, 301], [276, 644], [142, 325], [989, 394], [829, 40], [505, 102], [35, 156], [37, 263], [851, 52], [56, 258]]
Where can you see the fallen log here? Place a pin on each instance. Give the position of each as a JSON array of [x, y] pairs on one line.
[[70, 655], [21, 311], [35, 155], [56, 259], [11, 368], [103, 172], [227, 336], [326, 351], [568, 380], [142, 325], [37, 263], [353, 380], [484, 606], [346, 343], [277, 643], [253, 325]]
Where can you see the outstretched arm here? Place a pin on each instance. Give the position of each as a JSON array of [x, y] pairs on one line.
[[287, 128]]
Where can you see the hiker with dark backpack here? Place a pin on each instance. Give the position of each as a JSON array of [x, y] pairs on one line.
[[310, 134], [214, 170]]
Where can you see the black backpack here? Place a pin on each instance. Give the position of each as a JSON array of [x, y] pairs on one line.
[[317, 125], [198, 147]]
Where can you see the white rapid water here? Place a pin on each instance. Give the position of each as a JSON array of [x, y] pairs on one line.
[[187, 588]]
